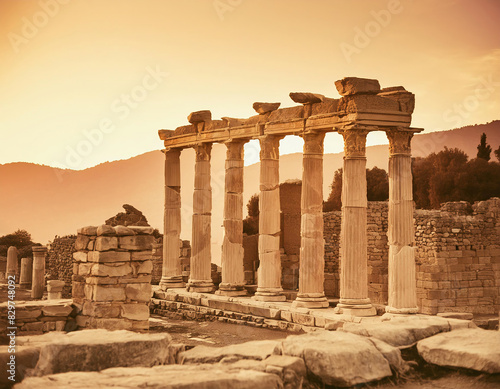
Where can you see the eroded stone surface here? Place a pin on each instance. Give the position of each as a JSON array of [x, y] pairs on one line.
[[475, 349], [404, 331], [164, 377], [338, 358], [93, 350], [257, 350]]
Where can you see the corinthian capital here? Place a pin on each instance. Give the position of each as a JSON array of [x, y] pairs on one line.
[[354, 142], [313, 143], [203, 151], [399, 141]]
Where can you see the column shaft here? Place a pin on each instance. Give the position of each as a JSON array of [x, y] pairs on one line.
[[401, 234], [200, 279], [269, 273], [233, 277], [26, 273], [171, 269], [353, 239], [38, 279], [312, 263]]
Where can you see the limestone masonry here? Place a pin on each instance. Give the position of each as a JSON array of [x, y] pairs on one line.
[[112, 277]]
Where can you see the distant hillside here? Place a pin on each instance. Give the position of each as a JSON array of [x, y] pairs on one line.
[[48, 201]]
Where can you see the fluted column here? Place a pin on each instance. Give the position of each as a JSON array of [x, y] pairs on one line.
[[353, 239], [200, 279], [401, 234], [171, 269], [38, 279], [312, 245], [233, 276], [269, 273]]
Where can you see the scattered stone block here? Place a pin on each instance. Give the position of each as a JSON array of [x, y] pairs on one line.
[[475, 349]]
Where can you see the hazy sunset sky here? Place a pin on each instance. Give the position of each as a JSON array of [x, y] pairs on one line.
[[110, 73]]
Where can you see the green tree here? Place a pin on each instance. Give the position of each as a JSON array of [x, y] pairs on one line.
[[497, 153], [251, 222], [21, 239], [483, 149], [377, 188]]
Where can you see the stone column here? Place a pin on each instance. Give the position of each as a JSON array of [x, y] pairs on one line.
[[26, 273], [38, 279], [233, 277], [171, 269], [401, 234], [312, 244], [12, 266], [269, 283], [353, 238], [200, 275]]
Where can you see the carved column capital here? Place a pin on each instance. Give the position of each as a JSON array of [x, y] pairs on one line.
[[172, 151], [269, 146], [235, 149], [203, 151], [354, 143], [313, 143], [399, 141]]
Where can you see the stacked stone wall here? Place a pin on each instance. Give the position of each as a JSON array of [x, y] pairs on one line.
[[112, 277], [457, 256], [59, 261]]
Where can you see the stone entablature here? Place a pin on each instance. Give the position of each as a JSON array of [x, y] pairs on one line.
[[363, 107], [112, 277]]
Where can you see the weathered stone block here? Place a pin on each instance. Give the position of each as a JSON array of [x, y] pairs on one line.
[[108, 256], [135, 311], [137, 242], [80, 256], [105, 243], [111, 270], [138, 292], [104, 293]]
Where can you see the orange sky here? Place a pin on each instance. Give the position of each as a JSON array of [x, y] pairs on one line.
[[87, 81]]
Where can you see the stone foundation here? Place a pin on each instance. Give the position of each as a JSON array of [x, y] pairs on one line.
[[112, 277]]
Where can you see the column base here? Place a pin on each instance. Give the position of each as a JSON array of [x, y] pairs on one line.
[[310, 300], [355, 307], [171, 282], [403, 311], [232, 290], [269, 294], [204, 286]]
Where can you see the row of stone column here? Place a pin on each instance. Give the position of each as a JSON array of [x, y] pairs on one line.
[[32, 272], [354, 280]]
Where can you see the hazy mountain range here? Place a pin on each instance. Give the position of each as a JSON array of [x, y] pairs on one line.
[[48, 201]]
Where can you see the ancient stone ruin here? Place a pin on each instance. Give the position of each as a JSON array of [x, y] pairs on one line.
[[363, 107]]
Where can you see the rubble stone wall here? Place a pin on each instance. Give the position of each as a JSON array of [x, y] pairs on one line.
[[59, 261], [457, 256], [112, 277]]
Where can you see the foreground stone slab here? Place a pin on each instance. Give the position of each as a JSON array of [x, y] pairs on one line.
[[164, 377], [475, 349], [256, 350], [25, 359], [405, 330], [94, 350], [338, 358]]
